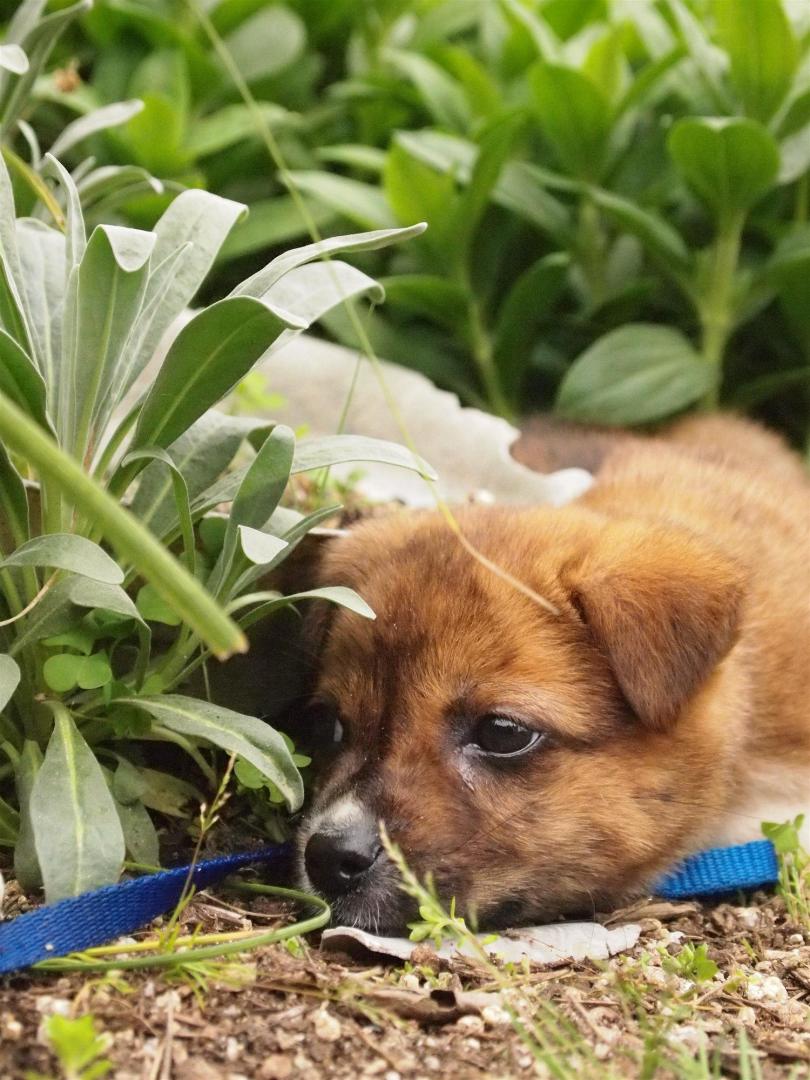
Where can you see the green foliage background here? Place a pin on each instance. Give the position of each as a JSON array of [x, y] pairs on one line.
[[616, 189]]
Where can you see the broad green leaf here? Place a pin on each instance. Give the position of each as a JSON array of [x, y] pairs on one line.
[[87, 593], [205, 361], [535, 26], [20, 380], [110, 287], [634, 375], [710, 61], [52, 615], [140, 836], [337, 449], [26, 864], [9, 679], [259, 283], [114, 183], [794, 152], [416, 191], [91, 123], [64, 671], [13, 314], [153, 607], [369, 159], [233, 732], [575, 117], [430, 296], [267, 603], [66, 551], [216, 132], [80, 637], [519, 188], [197, 218], [267, 42], [77, 835], [730, 163], [272, 222], [530, 300], [441, 95], [75, 232], [362, 204], [259, 547], [169, 794], [759, 41], [657, 235], [492, 153]]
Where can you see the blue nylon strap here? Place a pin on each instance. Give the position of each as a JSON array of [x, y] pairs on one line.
[[743, 866], [96, 917]]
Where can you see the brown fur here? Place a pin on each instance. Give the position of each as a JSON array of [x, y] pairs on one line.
[[673, 679]]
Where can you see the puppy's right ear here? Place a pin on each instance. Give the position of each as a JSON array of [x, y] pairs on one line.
[[665, 608]]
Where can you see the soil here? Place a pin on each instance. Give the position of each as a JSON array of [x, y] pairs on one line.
[[297, 1011]]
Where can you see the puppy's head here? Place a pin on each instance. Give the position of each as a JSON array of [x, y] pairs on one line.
[[534, 763]]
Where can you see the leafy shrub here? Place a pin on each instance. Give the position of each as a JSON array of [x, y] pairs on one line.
[[84, 424], [617, 190]]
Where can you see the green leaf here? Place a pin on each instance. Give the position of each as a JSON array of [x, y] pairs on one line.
[[575, 117], [337, 449], [310, 291], [13, 59], [180, 488], [66, 551], [87, 593], [153, 607], [206, 360], [232, 124], [133, 542], [140, 836], [168, 794], [730, 162], [358, 202], [79, 637], [13, 315], [429, 296], [258, 284], [109, 290], [268, 42], [267, 603], [42, 268], [273, 222], [260, 547], [442, 96], [658, 237], [119, 112], [634, 375], [257, 496], [235, 733], [20, 380], [13, 505], [9, 679], [417, 192], [66, 670], [759, 40], [710, 62], [26, 864], [529, 301], [196, 223], [77, 835]]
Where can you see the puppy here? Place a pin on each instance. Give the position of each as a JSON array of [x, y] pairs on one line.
[[548, 758]]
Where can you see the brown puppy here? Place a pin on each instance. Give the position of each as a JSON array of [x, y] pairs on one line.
[[539, 762]]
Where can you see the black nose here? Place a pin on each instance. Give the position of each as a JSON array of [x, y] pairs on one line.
[[336, 861]]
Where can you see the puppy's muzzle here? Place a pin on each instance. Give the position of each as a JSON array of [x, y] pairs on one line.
[[343, 860]]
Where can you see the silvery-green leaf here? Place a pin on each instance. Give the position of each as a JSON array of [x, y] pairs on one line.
[[108, 116], [42, 261], [9, 679], [109, 181], [20, 381], [260, 547], [267, 603], [14, 525], [203, 220], [66, 551], [87, 592], [260, 282], [180, 489], [13, 59], [231, 124], [77, 835], [52, 615], [335, 449], [110, 285], [75, 233], [26, 864], [246, 736], [13, 314]]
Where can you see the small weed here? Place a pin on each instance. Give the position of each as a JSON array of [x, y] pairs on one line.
[[794, 867], [692, 962], [78, 1048]]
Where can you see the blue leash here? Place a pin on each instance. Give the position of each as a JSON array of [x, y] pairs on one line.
[[102, 915]]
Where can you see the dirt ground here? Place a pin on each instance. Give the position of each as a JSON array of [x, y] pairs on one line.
[[292, 1010]]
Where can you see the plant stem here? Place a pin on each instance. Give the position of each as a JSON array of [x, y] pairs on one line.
[[591, 243], [717, 310], [484, 359]]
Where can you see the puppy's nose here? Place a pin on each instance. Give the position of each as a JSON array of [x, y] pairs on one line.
[[337, 860]]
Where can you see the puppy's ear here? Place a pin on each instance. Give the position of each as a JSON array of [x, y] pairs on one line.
[[664, 606]]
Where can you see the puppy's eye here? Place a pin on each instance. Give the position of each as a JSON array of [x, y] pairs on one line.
[[503, 737]]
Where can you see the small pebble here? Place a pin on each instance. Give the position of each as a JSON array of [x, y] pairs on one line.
[[409, 981], [470, 1025], [275, 1067], [326, 1026], [10, 1028], [233, 1049], [769, 989], [495, 1016]]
